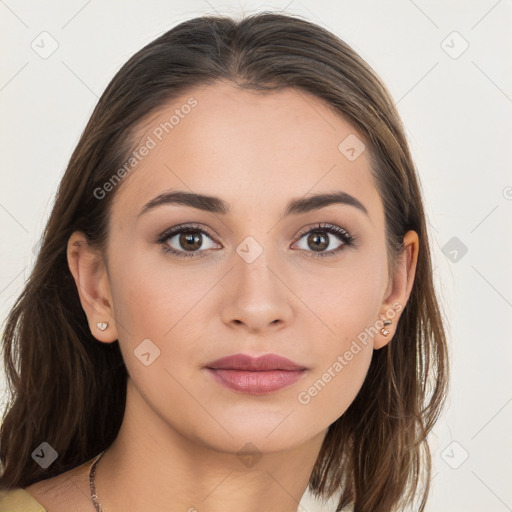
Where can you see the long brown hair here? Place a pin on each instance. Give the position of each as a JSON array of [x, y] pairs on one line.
[[69, 391]]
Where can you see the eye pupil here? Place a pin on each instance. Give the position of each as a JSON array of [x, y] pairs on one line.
[[315, 238], [190, 241]]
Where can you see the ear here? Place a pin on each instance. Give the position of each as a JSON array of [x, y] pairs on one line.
[[398, 290], [91, 279]]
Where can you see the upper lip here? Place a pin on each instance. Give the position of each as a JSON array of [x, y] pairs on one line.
[[255, 364]]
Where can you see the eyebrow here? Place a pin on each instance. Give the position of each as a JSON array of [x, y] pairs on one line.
[[218, 206]]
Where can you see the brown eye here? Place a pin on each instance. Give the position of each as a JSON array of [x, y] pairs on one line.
[[190, 241], [186, 241], [321, 240], [318, 240]]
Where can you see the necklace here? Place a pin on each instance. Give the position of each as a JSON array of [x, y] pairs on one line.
[[92, 483]]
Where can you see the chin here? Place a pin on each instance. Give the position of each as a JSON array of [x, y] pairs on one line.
[[262, 437]]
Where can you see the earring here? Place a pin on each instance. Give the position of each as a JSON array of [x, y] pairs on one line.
[[385, 332], [102, 325]]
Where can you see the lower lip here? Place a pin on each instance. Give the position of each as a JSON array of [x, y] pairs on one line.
[[256, 383]]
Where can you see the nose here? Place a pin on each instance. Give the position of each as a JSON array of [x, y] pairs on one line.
[[258, 297]]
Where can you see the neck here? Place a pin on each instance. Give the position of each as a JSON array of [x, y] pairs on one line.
[[152, 466]]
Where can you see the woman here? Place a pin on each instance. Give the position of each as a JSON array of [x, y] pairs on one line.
[[233, 301]]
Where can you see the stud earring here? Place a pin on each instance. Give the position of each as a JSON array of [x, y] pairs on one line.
[[385, 332], [102, 325]]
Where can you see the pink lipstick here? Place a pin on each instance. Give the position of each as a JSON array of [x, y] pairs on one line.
[[255, 375]]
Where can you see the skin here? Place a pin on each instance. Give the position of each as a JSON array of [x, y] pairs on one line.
[[177, 447]]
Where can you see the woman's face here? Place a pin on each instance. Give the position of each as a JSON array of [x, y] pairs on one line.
[[250, 278]]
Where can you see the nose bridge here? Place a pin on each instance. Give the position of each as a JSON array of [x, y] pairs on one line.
[[258, 296], [255, 261]]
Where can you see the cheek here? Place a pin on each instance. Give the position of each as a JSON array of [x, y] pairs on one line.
[[160, 302], [345, 300], [153, 307], [332, 388], [151, 296], [347, 305], [343, 355]]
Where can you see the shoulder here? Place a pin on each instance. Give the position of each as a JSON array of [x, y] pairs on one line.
[[63, 493], [19, 500]]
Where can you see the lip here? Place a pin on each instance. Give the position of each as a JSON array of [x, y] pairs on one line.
[[254, 364], [255, 375]]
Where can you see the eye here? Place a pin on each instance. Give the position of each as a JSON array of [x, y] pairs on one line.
[[319, 239], [188, 241]]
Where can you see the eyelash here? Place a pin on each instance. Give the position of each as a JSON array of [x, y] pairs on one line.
[[342, 234]]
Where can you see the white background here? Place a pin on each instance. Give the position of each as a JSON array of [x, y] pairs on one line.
[[457, 112]]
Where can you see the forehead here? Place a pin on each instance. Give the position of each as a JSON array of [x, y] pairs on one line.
[[244, 145]]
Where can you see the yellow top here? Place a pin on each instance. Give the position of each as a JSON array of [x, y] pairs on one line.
[[19, 500]]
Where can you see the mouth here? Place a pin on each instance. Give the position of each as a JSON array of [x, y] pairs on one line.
[[261, 375]]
